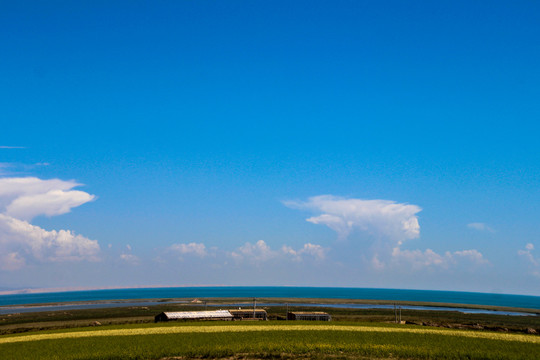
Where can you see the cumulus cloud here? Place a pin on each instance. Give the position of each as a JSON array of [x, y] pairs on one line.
[[129, 258], [382, 218], [196, 249], [533, 262], [22, 199], [261, 252], [419, 259], [472, 255], [389, 223], [315, 251], [480, 227], [19, 239], [527, 253], [11, 261]]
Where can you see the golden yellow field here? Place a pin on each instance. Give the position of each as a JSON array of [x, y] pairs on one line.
[[263, 327]]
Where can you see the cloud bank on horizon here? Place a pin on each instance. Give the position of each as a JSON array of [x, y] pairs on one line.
[[385, 222], [386, 226], [24, 198]]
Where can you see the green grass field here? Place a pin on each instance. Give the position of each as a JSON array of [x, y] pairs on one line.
[[268, 340]]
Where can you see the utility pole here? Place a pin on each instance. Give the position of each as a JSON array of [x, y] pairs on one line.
[[400, 314], [287, 313], [254, 305], [395, 313]]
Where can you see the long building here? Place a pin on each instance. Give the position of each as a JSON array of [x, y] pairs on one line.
[[194, 315], [249, 314], [311, 316], [240, 314]]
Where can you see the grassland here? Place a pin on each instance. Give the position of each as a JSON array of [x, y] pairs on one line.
[[268, 340], [129, 333]]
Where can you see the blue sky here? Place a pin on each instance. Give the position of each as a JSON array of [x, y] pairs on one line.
[[170, 138]]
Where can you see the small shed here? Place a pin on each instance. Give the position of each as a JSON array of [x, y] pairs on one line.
[[194, 315], [310, 316], [249, 314]]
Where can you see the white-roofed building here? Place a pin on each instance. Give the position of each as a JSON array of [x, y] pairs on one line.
[[194, 315]]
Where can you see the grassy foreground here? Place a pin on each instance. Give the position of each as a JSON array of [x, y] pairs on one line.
[[268, 340]]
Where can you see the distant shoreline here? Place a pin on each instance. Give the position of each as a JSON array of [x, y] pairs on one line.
[[314, 295], [82, 288], [141, 287], [316, 302]]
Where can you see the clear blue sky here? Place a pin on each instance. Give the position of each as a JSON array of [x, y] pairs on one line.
[[199, 128]]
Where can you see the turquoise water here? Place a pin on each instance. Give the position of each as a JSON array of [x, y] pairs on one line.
[[454, 297], [14, 309]]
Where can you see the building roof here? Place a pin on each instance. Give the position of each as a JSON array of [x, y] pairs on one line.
[[198, 314], [246, 310], [308, 313]]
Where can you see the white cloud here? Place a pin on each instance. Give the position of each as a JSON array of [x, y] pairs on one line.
[[527, 253], [472, 255], [254, 253], [22, 238], [23, 198], [261, 252], [376, 263], [11, 261], [533, 262], [26, 198], [480, 227], [130, 258], [381, 218], [390, 224], [17, 186], [197, 249], [317, 252], [418, 259], [54, 202]]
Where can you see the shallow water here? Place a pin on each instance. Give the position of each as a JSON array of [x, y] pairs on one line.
[[449, 297], [28, 309]]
